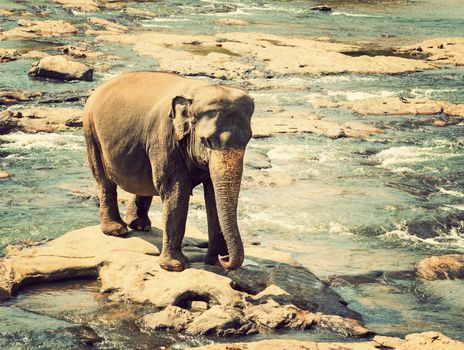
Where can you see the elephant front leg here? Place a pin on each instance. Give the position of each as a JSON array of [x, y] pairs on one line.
[[217, 244], [110, 219], [175, 209], [137, 213]]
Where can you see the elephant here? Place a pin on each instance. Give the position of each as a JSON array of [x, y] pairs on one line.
[[161, 134]]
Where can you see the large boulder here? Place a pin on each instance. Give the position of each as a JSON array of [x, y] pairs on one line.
[[61, 68], [441, 267], [203, 299]]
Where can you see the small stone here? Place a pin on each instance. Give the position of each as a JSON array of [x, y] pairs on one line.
[[5, 174], [321, 8], [7, 55], [232, 22], [439, 123]]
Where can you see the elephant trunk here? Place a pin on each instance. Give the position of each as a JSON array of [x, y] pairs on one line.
[[226, 167]]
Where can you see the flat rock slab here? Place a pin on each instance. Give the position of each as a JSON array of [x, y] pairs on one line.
[[441, 51], [415, 341], [263, 296], [248, 55], [31, 29], [403, 106]]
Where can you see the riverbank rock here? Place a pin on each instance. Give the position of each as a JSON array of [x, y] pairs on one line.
[[214, 301], [9, 97], [59, 67], [441, 267], [31, 29], [439, 50], [415, 341], [403, 106]]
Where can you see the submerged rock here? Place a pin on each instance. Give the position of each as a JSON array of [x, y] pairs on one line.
[[415, 341], [139, 13], [441, 267], [9, 97], [231, 22], [108, 25], [59, 67]]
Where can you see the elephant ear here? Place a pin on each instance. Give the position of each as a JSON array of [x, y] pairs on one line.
[[180, 115]]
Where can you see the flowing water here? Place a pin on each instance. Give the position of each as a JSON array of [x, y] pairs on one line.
[[345, 207]]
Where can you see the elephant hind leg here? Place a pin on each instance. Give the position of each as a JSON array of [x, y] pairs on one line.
[[110, 219], [137, 213]]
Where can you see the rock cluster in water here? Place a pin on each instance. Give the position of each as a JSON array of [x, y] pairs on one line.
[[203, 299]]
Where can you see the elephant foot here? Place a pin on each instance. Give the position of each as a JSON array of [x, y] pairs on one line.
[[212, 257], [174, 262], [139, 224], [114, 228]]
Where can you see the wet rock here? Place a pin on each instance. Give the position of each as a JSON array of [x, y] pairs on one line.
[[231, 22], [272, 315], [172, 318], [7, 55], [321, 8], [139, 13], [345, 326], [48, 119], [133, 275], [323, 102], [441, 267], [9, 97], [221, 321], [5, 174], [76, 254], [423, 341], [108, 25], [79, 52], [240, 56], [85, 334], [34, 54], [80, 5], [7, 122], [31, 29], [403, 106], [59, 67], [256, 160], [441, 51], [304, 122]]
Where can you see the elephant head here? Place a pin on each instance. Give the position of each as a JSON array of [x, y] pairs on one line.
[[217, 120]]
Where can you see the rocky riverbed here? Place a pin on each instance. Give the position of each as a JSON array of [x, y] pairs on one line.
[[351, 207]]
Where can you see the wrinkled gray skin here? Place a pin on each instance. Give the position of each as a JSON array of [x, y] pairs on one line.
[[155, 133]]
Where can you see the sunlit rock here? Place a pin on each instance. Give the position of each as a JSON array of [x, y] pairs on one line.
[[59, 67]]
